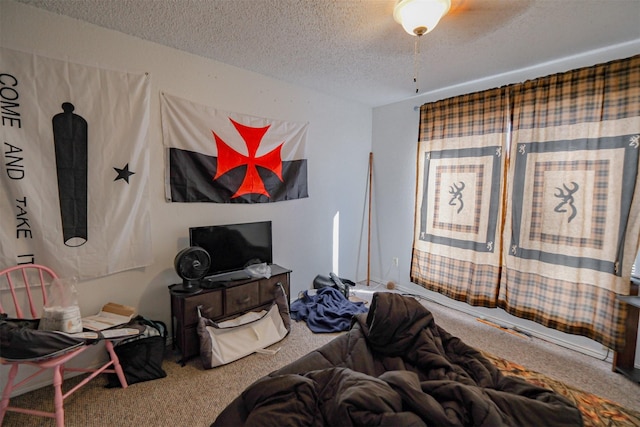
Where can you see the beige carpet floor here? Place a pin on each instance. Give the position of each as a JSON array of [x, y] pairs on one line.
[[188, 396], [192, 396]]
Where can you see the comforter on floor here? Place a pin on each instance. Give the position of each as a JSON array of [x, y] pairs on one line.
[[396, 367]]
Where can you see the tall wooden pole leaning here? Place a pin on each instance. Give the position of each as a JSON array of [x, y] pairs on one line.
[[369, 228]]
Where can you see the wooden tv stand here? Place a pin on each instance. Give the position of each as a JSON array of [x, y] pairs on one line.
[[226, 300]]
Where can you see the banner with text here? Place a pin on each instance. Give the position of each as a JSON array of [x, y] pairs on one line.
[[75, 166]]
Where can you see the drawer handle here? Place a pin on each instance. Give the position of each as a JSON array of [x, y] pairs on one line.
[[245, 300]]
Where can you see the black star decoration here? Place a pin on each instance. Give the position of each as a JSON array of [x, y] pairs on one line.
[[123, 173]]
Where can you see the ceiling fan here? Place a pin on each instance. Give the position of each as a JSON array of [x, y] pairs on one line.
[[420, 17]]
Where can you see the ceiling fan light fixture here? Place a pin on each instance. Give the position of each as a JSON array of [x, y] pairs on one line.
[[419, 17]]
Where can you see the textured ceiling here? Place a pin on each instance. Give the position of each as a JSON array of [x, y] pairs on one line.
[[354, 49]]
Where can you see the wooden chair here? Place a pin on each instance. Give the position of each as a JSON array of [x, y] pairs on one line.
[[25, 285]]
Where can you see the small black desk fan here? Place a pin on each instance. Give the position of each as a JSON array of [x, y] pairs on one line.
[[191, 264]]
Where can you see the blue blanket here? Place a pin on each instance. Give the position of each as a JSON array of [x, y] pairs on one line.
[[326, 311]]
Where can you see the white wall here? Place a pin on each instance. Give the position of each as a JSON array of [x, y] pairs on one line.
[[395, 136], [339, 142]]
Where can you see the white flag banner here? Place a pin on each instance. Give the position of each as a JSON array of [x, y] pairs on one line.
[[75, 166]]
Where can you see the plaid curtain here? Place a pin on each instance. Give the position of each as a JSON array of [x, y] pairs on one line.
[[457, 239], [553, 240], [573, 205]]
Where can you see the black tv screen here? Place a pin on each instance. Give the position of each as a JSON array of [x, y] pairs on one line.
[[232, 247]]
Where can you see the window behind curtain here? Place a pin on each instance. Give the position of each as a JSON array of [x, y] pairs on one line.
[[458, 225], [573, 214], [547, 230]]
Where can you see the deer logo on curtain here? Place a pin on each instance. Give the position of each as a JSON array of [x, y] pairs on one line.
[[456, 198], [567, 199]]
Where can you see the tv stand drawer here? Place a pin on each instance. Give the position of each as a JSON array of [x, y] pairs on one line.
[[210, 303], [241, 298], [268, 288]]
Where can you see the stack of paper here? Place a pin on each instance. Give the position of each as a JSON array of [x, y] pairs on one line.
[[111, 315]]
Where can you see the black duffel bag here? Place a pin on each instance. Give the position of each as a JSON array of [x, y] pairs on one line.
[[333, 281]]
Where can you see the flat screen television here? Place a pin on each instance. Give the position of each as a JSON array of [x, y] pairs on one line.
[[232, 247]]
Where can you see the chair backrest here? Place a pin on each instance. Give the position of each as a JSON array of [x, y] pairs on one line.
[[26, 286]]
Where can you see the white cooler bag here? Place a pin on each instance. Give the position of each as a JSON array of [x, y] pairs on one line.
[[225, 342]]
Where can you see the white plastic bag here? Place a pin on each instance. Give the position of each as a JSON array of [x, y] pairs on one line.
[[258, 270], [62, 313]]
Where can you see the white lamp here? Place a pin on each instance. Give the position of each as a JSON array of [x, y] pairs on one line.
[[419, 17]]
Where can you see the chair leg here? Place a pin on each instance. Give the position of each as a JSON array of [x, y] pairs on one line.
[[58, 400], [8, 388], [116, 363]]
